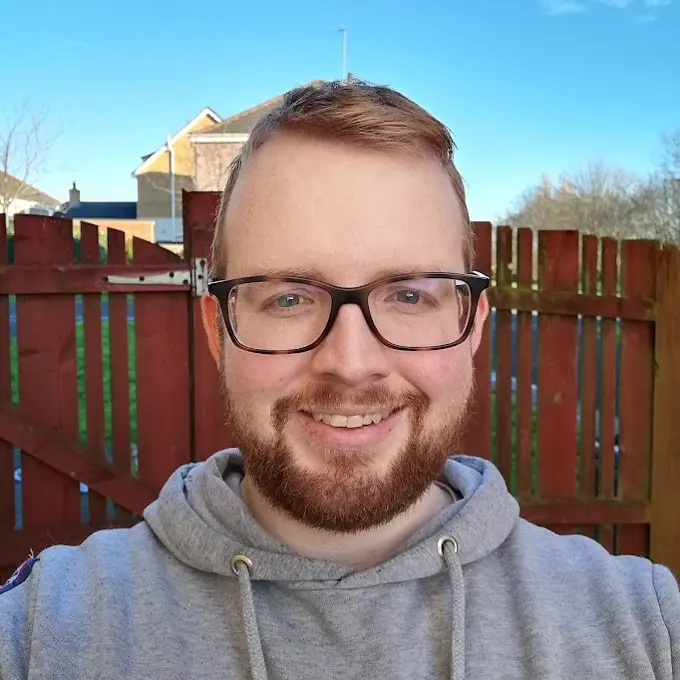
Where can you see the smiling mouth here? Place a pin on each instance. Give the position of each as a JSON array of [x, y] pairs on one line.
[[353, 421]]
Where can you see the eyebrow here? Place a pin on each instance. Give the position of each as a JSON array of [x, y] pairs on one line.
[[290, 272], [318, 275]]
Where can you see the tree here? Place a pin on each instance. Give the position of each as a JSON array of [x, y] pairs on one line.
[[25, 145], [660, 217], [595, 200], [665, 188], [670, 163]]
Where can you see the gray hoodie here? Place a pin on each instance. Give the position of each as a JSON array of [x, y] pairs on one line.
[[478, 594]]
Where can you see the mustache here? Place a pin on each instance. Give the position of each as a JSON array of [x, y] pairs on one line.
[[327, 398]]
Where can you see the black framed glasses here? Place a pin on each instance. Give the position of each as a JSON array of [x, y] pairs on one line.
[[288, 315]]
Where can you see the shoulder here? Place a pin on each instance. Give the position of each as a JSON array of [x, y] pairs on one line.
[[56, 594], [67, 575], [576, 556], [17, 602], [575, 573], [108, 558]]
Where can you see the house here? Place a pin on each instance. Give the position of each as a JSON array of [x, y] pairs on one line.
[[17, 196], [216, 147], [121, 215], [156, 184], [200, 154]]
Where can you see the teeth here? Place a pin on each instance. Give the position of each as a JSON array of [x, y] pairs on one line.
[[335, 420]]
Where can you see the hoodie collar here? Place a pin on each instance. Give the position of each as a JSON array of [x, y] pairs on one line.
[[201, 518]]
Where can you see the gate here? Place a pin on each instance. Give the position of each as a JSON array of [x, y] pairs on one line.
[[96, 382]]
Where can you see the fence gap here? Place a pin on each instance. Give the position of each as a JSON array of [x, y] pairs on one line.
[[90, 325], [7, 392], [132, 377], [119, 371], [525, 406]]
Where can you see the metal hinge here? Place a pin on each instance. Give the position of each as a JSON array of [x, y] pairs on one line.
[[169, 278], [199, 276], [196, 277]]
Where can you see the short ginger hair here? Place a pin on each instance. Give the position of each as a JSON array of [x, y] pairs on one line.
[[355, 113]]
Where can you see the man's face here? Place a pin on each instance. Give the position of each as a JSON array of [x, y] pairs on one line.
[[352, 216]]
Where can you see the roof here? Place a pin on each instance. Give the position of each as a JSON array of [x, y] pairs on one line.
[[245, 121], [148, 159], [111, 210], [12, 186]]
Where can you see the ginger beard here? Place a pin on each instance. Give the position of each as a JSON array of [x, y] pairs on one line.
[[347, 497]]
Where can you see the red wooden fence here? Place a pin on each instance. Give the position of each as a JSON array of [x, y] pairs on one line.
[[575, 400]]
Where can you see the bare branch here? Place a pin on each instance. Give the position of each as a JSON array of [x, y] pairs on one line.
[[25, 146], [604, 201]]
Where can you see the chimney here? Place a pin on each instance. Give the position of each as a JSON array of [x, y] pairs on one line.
[[73, 196]]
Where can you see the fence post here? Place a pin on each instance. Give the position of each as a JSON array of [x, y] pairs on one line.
[[665, 510], [210, 432]]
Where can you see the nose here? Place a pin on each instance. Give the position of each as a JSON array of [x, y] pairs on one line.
[[351, 353]]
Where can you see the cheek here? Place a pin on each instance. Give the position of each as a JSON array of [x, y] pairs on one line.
[[258, 380], [444, 376]]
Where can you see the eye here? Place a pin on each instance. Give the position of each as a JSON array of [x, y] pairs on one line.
[[288, 300], [410, 297]]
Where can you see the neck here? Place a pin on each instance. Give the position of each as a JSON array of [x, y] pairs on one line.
[[360, 551]]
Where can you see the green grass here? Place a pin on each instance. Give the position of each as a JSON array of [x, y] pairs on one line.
[[512, 482], [106, 363], [82, 396]]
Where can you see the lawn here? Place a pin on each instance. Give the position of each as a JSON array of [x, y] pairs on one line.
[[82, 397]]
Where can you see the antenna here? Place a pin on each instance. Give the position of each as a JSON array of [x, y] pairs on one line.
[[344, 52]]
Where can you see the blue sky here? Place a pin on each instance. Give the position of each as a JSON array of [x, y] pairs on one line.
[[526, 86]]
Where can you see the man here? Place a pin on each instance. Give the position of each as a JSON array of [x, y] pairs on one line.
[[341, 540]]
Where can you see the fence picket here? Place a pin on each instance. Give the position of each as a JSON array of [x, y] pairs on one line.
[[503, 353], [665, 507], [588, 406], [477, 437], [557, 383], [48, 388], [162, 368], [638, 268], [210, 430]]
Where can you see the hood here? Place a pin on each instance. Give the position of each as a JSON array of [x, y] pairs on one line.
[[201, 518]]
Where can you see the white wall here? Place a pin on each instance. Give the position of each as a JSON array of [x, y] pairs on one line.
[[20, 205], [165, 231]]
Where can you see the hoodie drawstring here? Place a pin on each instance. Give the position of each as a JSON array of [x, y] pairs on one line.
[[447, 547], [241, 566]]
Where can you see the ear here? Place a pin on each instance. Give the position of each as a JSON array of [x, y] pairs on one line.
[[212, 325], [480, 320]]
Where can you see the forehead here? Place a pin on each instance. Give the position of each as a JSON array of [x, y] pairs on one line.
[[303, 204]]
